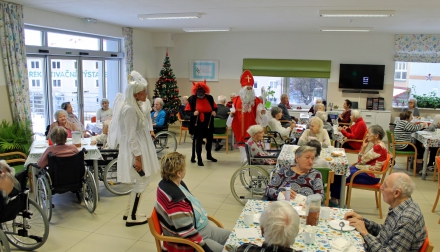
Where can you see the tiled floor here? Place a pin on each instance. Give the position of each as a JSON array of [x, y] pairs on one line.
[[73, 228]]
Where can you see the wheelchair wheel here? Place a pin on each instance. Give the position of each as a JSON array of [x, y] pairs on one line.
[[29, 230], [44, 196], [249, 182], [89, 192], [165, 143], [111, 180], [4, 243]]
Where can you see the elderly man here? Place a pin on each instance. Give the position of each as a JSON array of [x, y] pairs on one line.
[[232, 96], [222, 113], [184, 114], [279, 224], [286, 116], [404, 227]]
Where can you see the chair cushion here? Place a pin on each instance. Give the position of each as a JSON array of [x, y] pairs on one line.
[[405, 152], [219, 135], [183, 128]]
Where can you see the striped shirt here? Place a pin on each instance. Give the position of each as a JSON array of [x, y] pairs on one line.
[[403, 230], [402, 132]]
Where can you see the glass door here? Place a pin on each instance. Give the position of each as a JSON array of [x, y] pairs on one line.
[[36, 76], [93, 86]]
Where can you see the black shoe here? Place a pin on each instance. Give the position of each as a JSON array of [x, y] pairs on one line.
[[200, 163], [193, 160], [212, 159], [219, 147]]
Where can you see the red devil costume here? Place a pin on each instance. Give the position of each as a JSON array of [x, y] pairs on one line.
[[203, 110], [247, 113]]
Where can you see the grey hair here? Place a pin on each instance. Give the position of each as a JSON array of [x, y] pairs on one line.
[[321, 115], [275, 111], [234, 94], [8, 172], [4, 167], [318, 121], [318, 101], [58, 112], [303, 149], [280, 223], [104, 100], [377, 130], [221, 99], [283, 95], [320, 105], [413, 100], [184, 98], [404, 183], [106, 123], [315, 144], [356, 114], [436, 120], [159, 100], [58, 135], [254, 129]]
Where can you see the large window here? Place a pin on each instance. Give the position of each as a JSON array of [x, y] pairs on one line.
[[82, 80], [301, 91]]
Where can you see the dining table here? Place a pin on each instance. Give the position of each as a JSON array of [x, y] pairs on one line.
[[38, 147], [339, 164], [429, 139], [324, 232]]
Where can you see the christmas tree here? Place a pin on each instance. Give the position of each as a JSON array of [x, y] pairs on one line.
[[166, 88]]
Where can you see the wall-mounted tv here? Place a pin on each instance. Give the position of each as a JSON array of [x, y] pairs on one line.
[[355, 76]]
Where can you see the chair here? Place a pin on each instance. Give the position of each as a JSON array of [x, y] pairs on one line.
[[427, 245], [220, 124], [395, 153], [93, 119], [437, 166], [182, 128], [15, 157], [375, 188], [328, 176], [435, 170], [156, 231], [354, 140]]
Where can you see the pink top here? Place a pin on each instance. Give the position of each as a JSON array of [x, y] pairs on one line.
[[62, 150]]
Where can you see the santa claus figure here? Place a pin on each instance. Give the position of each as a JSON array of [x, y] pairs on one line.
[[202, 108], [247, 109]]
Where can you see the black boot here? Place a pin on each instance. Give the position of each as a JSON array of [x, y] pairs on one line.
[[211, 158], [199, 161], [193, 152]]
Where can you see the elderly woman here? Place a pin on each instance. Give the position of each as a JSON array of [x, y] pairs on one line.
[[313, 109], [58, 135], [355, 131], [412, 103], [104, 113], [7, 180], [158, 115], [319, 162], [72, 118], [317, 132], [327, 126], [256, 145], [344, 117], [372, 160], [102, 139], [275, 124], [181, 214], [61, 121], [302, 178]]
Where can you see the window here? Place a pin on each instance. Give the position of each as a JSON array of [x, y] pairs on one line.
[[56, 83], [400, 71], [63, 40], [35, 64], [76, 83], [97, 83], [56, 64], [35, 83], [97, 65], [33, 37]]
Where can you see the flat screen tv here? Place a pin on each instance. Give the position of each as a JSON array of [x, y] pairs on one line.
[[357, 76]]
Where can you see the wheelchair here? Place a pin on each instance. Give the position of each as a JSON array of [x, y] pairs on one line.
[[250, 180], [165, 141], [23, 222], [65, 174]]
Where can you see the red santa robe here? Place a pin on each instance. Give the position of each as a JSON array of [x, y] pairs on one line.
[[243, 120]]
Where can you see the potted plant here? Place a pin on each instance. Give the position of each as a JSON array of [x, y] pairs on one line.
[[270, 97], [427, 100], [16, 136]]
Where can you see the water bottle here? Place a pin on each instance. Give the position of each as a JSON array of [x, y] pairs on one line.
[[287, 193]]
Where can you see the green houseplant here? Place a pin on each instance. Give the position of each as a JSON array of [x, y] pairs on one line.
[[270, 96], [430, 100], [16, 136]]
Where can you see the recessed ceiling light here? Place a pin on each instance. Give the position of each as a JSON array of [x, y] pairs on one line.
[[346, 29], [169, 16], [356, 13], [206, 29]]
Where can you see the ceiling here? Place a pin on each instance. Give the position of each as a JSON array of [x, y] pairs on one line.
[[252, 15]]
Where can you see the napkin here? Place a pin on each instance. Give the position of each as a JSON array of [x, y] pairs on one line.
[[242, 233], [300, 199], [340, 244]]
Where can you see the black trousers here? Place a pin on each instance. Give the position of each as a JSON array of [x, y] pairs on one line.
[[203, 130]]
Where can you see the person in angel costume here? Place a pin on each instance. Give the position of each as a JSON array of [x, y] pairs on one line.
[[247, 109], [202, 109], [137, 158]]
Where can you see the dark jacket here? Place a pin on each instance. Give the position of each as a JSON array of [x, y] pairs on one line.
[[201, 127], [286, 115], [222, 111]]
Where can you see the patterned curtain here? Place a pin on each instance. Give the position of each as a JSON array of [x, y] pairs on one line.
[[14, 59], [128, 49], [417, 48]]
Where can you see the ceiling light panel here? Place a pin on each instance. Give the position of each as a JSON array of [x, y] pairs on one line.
[[346, 29], [355, 13], [207, 29], [189, 15]]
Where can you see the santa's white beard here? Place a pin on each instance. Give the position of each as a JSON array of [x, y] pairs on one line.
[[247, 99]]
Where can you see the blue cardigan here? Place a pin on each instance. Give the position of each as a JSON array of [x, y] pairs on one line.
[[160, 118]]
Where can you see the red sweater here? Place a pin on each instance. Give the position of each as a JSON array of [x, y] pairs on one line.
[[356, 131]]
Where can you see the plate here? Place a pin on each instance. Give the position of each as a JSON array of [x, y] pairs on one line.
[[40, 146], [335, 225]]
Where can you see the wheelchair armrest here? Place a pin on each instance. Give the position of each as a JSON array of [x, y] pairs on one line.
[[34, 165]]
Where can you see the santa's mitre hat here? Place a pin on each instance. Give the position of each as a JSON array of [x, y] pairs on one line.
[[246, 79]]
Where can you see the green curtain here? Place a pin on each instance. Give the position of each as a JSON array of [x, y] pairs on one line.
[[288, 68], [14, 59]]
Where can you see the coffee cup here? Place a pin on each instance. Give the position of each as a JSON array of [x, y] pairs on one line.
[[325, 213], [309, 235], [248, 218], [331, 148]]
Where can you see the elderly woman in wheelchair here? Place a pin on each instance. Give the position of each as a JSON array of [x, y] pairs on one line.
[[257, 147], [58, 135], [303, 179], [275, 125]]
